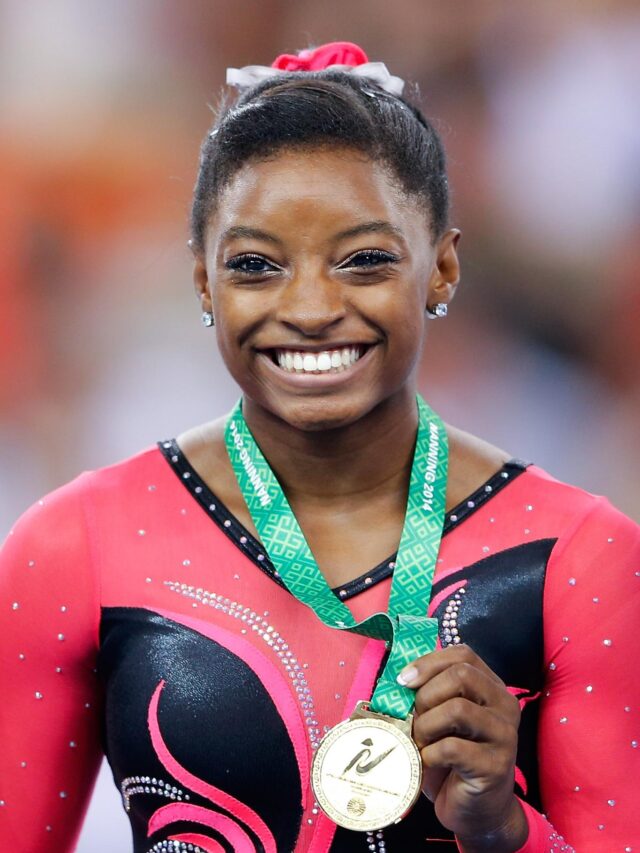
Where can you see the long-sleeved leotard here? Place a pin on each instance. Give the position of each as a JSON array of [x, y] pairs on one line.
[[139, 616]]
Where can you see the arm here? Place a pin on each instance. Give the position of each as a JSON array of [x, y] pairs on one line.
[[49, 714], [590, 712], [589, 737]]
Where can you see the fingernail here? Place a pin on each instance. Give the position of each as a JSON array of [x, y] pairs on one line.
[[407, 675]]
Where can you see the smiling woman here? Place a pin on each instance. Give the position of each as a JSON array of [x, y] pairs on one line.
[[328, 621], [315, 256]]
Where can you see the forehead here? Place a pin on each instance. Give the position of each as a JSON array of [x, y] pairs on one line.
[[316, 190]]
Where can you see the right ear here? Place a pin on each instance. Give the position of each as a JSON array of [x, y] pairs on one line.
[[201, 283]]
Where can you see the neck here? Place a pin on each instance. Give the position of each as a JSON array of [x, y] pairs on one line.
[[370, 456]]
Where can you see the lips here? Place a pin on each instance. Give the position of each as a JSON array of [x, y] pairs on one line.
[[326, 361]]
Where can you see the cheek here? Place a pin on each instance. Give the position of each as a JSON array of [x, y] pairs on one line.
[[236, 314], [229, 330], [408, 344], [407, 332], [236, 360], [400, 313]]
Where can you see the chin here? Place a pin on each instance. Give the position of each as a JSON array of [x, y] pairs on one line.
[[322, 414]]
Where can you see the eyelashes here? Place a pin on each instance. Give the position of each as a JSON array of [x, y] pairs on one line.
[[365, 258], [250, 264]]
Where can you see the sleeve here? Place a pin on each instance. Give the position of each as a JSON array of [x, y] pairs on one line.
[[542, 837], [49, 713], [589, 730]]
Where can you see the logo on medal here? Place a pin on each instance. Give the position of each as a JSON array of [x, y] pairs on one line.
[[356, 807], [345, 781], [364, 755]]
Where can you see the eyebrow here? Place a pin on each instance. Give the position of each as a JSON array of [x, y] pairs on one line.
[[378, 226], [244, 231]]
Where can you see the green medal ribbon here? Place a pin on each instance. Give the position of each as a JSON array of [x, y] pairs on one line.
[[406, 628]]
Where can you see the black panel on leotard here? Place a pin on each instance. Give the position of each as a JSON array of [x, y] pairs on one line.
[[216, 718]]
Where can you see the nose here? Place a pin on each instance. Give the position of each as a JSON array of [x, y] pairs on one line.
[[311, 303]]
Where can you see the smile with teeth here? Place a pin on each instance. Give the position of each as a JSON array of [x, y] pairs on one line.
[[329, 361]]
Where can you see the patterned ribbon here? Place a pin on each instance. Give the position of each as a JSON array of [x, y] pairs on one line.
[[406, 628]]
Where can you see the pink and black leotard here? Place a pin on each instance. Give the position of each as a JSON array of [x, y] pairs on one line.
[[141, 619]]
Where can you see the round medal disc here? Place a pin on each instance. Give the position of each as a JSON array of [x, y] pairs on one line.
[[366, 773]]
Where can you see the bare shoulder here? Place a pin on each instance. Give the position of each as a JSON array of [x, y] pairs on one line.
[[472, 462]]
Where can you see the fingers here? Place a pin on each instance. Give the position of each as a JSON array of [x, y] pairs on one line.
[[481, 767], [460, 679], [465, 681], [458, 697], [428, 666], [464, 720]]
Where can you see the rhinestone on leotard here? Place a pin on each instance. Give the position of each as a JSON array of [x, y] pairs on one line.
[[173, 846], [132, 785], [449, 632], [269, 635]]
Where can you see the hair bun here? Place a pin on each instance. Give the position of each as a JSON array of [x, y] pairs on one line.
[[319, 58]]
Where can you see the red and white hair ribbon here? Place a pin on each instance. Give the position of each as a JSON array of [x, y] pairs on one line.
[[335, 56]]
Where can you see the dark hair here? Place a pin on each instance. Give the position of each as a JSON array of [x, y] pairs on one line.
[[317, 109]]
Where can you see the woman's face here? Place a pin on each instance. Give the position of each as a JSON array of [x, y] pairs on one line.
[[318, 269]]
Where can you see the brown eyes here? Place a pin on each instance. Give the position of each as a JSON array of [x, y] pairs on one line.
[[256, 265], [250, 264], [368, 258]]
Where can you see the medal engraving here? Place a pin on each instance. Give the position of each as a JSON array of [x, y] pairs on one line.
[[367, 771]]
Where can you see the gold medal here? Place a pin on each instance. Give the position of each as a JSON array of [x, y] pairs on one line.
[[367, 771]]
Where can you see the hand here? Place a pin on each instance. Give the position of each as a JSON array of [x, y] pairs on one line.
[[466, 728]]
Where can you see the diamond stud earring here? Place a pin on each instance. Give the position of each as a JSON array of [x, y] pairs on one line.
[[208, 319], [439, 310]]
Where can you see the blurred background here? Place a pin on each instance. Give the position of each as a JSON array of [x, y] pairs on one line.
[[102, 108]]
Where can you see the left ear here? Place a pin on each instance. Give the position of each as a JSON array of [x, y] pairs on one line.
[[446, 271]]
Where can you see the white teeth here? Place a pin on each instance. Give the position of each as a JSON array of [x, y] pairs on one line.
[[309, 363], [324, 361], [333, 361]]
